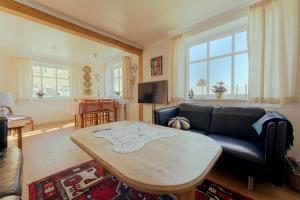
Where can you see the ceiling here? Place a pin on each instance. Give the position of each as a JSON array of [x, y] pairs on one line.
[[26, 38], [142, 22]]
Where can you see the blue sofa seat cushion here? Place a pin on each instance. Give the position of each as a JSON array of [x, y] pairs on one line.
[[248, 150]]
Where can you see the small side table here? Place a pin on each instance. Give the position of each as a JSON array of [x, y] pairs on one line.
[[17, 126]]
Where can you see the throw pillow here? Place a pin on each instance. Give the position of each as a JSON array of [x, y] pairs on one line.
[[179, 123]]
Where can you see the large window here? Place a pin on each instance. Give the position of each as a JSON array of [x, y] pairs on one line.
[[223, 59], [117, 80], [51, 80]]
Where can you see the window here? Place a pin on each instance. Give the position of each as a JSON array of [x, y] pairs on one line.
[[117, 80], [223, 59], [51, 80]]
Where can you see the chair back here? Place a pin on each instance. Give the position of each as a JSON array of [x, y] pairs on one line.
[[3, 133]]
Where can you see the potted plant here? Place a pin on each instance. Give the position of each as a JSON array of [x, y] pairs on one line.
[[219, 89]]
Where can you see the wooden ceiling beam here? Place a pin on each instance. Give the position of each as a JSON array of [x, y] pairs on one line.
[[28, 12]]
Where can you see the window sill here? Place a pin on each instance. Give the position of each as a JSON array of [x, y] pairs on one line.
[[233, 102], [34, 99], [215, 99]]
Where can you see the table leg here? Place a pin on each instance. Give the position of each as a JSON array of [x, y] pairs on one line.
[[188, 195], [96, 118], [105, 172], [81, 121], [19, 131]]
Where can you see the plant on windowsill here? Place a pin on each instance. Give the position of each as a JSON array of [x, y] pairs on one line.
[[219, 89]]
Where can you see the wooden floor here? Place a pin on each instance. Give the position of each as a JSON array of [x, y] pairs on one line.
[[49, 149]]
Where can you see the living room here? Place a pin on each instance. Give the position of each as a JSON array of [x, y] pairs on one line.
[[225, 72]]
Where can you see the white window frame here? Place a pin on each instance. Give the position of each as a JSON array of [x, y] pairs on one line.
[[56, 67], [208, 39], [120, 78]]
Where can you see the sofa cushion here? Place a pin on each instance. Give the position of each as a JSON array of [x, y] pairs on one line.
[[250, 151], [236, 122], [198, 115], [179, 123], [11, 172]]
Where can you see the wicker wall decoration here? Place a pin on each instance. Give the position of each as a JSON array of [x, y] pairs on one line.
[[87, 80]]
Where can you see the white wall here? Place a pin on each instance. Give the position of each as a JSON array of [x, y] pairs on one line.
[[4, 63], [161, 48], [292, 111]]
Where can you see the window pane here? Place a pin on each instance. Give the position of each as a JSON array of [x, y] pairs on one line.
[[62, 73], [241, 73], [63, 87], [221, 46], [220, 71], [240, 41], [49, 72], [36, 70], [197, 71], [121, 87], [49, 87], [116, 85], [116, 73], [36, 85], [120, 71], [198, 52]]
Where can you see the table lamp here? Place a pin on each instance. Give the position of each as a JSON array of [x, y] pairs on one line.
[[6, 101], [201, 83]]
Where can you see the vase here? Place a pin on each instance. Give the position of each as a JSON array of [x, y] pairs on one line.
[[219, 95]]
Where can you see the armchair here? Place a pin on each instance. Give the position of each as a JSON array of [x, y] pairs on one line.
[[11, 161]]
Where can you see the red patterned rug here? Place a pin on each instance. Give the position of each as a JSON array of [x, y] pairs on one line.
[[85, 182]]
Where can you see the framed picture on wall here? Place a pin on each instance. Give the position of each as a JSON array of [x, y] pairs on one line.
[[156, 66]]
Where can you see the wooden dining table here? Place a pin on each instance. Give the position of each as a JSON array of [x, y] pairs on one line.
[[173, 165], [81, 107]]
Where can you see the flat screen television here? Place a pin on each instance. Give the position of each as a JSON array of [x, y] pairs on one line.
[[153, 92]]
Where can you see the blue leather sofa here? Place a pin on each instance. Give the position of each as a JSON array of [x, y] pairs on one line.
[[243, 149]]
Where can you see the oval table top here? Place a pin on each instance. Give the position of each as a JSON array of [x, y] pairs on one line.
[[164, 166]]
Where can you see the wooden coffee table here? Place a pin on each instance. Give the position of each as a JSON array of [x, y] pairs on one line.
[[173, 165]]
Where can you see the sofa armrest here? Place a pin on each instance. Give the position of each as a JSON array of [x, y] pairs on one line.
[[3, 133], [270, 142], [280, 141], [163, 115], [279, 153]]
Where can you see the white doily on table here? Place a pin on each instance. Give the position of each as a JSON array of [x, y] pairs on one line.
[[130, 138]]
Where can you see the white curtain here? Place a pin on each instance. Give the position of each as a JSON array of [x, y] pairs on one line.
[[177, 69], [127, 85], [76, 88], [273, 51], [20, 83]]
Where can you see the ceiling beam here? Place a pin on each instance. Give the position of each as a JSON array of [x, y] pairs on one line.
[[28, 12]]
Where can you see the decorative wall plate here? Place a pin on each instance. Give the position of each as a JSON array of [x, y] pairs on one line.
[[87, 84], [87, 69], [87, 91], [87, 77]]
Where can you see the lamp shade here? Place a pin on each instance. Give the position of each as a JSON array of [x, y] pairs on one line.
[[6, 99], [201, 82]]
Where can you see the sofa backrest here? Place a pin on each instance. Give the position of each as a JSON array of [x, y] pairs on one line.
[[199, 116], [236, 122]]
